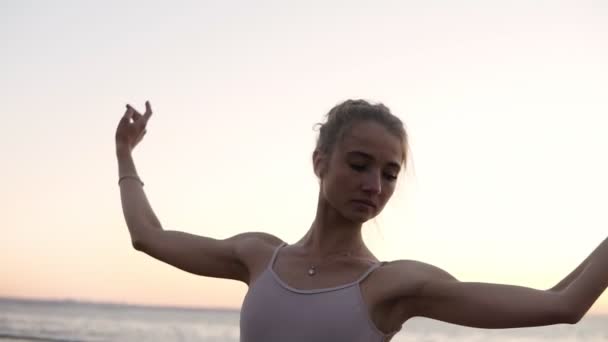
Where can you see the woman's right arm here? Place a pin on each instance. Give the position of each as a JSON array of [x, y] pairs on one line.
[[195, 254]]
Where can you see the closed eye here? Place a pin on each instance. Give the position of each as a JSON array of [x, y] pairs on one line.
[[361, 168], [390, 177]]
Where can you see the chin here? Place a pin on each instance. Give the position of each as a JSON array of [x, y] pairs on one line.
[[358, 217]]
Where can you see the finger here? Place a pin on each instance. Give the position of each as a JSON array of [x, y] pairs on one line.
[[128, 112], [148, 112], [136, 115], [126, 118]]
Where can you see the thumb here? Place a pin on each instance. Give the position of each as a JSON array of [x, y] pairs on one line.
[[148, 112]]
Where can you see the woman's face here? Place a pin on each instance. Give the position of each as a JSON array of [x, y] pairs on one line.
[[363, 168]]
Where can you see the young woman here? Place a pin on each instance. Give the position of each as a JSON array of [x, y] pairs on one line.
[[329, 286]]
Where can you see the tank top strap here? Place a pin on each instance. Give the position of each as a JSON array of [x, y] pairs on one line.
[[274, 255], [369, 271]]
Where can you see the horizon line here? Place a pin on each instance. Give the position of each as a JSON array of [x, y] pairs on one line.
[[112, 303], [156, 306]]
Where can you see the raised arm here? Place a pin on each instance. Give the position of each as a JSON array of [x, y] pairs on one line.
[[438, 295], [486, 305], [584, 287], [231, 258]]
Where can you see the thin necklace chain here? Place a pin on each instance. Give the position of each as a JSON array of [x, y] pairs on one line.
[[312, 270]]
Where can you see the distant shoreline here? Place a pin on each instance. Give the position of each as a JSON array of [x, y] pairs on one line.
[[68, 301]]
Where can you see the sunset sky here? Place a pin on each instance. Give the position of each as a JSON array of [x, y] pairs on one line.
[[505, 102]]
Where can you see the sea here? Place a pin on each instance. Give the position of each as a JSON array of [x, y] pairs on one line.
[[73, 321]]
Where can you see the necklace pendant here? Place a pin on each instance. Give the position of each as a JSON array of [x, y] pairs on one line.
[[312, 271]]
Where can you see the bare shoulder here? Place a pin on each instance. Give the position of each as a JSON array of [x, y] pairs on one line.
[[392, 289], [405, 278], [421, 271], [253, 241], [255, 249]]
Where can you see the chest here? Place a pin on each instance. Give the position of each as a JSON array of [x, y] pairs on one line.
[[306, 275], [275, 311]]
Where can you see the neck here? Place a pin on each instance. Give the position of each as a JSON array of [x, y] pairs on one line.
[[332, 233]]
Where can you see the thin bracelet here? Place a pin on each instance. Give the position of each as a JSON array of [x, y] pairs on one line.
[[130, 176]]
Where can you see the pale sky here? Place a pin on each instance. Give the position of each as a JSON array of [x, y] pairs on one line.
[[505, 103]]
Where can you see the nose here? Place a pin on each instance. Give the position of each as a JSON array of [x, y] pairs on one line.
[[372, 182]]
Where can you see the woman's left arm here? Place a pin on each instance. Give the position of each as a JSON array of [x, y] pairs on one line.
[[483, 305], [586, 283]]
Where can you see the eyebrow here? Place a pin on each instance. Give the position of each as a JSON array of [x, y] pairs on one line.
[[369, 156]]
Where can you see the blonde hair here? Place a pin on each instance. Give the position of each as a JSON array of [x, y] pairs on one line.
[[342, 117]]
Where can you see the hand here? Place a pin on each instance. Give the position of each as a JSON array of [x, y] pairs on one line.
[[129, 134]]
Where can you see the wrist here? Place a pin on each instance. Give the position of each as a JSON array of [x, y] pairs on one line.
[[130, 177], [123, 151]]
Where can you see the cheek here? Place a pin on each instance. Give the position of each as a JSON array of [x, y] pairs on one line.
[[343, 176], [388, 191], [339, 185]]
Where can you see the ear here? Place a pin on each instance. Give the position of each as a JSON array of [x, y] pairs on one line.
[[319, 163]]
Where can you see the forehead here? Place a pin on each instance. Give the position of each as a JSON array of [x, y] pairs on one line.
[[375, 140]]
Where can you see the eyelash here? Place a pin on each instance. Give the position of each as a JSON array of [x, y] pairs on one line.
[[361, 168]]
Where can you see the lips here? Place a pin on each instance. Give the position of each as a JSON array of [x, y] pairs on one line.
[[366, 202]]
